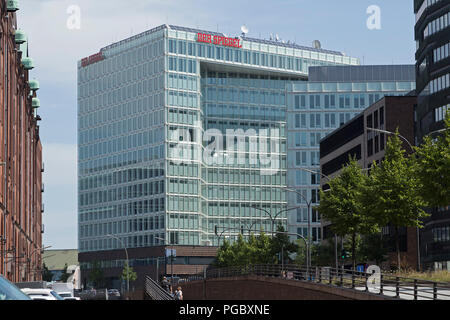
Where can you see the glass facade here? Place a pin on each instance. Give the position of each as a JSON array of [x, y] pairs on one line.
[[149, 109], [317, 108]]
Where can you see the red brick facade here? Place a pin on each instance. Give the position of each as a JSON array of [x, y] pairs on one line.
[[21, 164]]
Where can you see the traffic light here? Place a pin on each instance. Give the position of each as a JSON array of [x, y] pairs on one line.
[[242, 230], [215, 230], [344, 254]]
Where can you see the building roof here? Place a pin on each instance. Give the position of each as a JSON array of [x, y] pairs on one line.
[[362, 73], [56, 259], [186, 29]]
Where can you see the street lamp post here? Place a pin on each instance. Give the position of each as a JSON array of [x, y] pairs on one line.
[[128, 265], [31, 255], [171, 259]]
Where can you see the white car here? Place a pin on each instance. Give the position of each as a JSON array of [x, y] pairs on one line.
[[42, 294], [68, 296]]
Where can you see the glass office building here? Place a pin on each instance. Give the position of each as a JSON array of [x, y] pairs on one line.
[[332, 96], [180, 130]]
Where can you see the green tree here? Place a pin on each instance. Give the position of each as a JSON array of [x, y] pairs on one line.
[[343, 205], [281, 245], [374, 248], [432, 167], [96, 276], [392, 193], [47, 275], [128, 273]]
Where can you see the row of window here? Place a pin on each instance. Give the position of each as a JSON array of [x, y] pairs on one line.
[[302, 215], [263, 128], [236, 209], [439, 84], [441, 234], [111, 101], [119, 177], [316, 233], [122, 193], [441, 53], [182, 204], [244, 193], [183, 186], [327, 101], [241, 80], [440, 113], [183, 221], [245, 112], [144, 75], [301, 139], [121, 160], [303, 178], [437, 25], [302, 196], [129, 208], [182, 65], [143, 107], [137, 140], [245, 56], [182, 116], [129, 242], [245, 177], [301, 158], [182, 99], [245, 96], [122, 61], [119, 227], [182, 82]]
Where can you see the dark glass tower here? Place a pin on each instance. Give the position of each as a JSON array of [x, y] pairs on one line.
[[432, 34]]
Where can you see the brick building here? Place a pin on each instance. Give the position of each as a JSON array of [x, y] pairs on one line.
[[20, 156]]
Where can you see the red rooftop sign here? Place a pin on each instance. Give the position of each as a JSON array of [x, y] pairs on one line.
[[219, 40], [92, 59]]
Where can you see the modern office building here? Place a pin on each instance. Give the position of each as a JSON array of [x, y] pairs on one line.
[[332, 96], [21, 165], [182, 130], [354, 139], [432, 34]]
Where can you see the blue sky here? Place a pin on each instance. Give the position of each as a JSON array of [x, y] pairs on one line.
[[339, 25]]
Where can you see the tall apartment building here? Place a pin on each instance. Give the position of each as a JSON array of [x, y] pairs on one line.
[[157, 166], [432, 34], [21, 166], [332, 96]]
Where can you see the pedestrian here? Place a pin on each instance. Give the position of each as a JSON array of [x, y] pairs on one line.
[[165, 284], [178, 294]]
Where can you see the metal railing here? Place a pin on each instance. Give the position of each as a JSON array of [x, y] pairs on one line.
[[376, 283], [154, 291]]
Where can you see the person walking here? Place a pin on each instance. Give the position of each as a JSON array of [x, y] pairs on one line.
[[178, 294]]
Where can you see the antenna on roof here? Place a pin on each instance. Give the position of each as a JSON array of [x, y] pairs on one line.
[[244, 30], [316, 44]]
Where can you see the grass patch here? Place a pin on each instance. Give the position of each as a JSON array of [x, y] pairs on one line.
[[437, 276]]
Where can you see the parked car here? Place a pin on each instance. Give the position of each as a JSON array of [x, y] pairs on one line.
[[113, 293], [42, 294], [8, 291], [68, 296]]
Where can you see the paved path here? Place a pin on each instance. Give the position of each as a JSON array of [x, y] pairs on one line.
[[407, 293]]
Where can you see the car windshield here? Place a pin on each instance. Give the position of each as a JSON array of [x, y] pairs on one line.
[[8, 291], [65, 295], [57, 296]]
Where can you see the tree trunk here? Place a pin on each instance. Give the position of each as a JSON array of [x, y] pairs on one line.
[[397, 246], [354, 250]]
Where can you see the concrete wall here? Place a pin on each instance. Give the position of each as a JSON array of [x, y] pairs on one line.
[[264, 288]]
